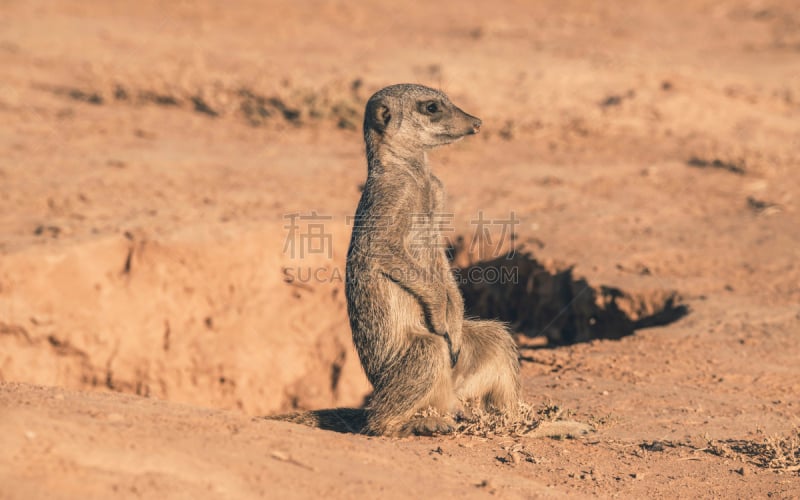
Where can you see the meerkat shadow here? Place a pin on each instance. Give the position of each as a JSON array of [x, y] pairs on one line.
[[542, 301], [341, 420]]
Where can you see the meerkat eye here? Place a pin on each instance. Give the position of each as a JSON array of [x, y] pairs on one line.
[[432, 107]]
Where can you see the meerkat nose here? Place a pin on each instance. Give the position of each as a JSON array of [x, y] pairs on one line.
[[476, 125]]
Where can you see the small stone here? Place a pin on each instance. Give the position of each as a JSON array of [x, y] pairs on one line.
[[487, 485]]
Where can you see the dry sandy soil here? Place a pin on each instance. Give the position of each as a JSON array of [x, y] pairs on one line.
[[152, 153]]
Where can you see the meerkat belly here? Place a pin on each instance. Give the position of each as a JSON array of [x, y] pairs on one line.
[[405, 311], [382, 317], [384, 308]]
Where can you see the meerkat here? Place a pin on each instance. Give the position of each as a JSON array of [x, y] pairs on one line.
[[406, 310]]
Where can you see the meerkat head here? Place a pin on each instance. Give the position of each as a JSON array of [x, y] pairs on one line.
[[414, 117]]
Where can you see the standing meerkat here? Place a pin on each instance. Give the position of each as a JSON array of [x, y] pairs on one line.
[[406, 311]]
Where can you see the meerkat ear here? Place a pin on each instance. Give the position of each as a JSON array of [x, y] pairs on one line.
[[384, 115], [378, 116]]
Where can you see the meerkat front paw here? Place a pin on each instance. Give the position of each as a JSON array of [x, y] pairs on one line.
[[455, 317], [438, 321], [454, 353]]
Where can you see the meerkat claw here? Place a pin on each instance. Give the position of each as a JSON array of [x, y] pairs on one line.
[[454, 358], [453, 355]]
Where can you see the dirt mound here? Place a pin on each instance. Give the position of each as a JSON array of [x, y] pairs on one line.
[[176, 320]]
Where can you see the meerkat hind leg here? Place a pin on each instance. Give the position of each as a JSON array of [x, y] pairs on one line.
[[488, 368], [419, 379]]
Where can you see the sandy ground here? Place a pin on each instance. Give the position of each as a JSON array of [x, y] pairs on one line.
[[152, 156]]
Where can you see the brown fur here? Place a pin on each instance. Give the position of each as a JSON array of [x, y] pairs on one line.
[[406, 311]]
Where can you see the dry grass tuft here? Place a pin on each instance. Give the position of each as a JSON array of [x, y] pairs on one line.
[[772, 452], [481, 423]]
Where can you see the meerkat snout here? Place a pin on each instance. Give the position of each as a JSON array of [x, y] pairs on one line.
[[466, 122], [476, 125]]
